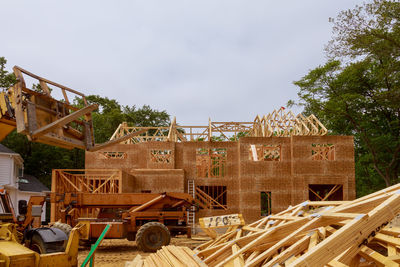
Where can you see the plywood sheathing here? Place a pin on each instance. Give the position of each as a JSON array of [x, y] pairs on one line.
[[158, 180], [267, 176], [186, 160], [137, 157], [339, 171], [286, 179]]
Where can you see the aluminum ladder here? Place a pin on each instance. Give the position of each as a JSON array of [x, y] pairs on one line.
[[191, 215]]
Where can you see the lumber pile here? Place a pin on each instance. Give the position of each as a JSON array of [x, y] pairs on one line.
[[168, 256], [230, 221], [323, 233]]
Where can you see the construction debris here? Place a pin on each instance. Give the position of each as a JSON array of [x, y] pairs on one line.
[[319, 233]]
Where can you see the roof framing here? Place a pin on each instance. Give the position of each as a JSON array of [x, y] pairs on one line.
[[277, 123]]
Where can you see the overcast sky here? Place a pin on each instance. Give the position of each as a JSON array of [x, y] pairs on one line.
[[228, 60]]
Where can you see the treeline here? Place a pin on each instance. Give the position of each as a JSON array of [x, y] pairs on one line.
[[40, 159], [357, 91]]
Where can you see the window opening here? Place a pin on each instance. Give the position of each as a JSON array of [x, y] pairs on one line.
[[265, 204], [113, 155], [211, 162], [161, 156], [322, 192], [265, 152], [323, 152], [145, 191]]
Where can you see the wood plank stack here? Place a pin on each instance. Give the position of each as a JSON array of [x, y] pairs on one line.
[[323, 233], [168, 256]]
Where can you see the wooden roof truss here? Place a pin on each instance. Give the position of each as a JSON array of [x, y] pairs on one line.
[[278, 123], [319, 233], [313, 233]]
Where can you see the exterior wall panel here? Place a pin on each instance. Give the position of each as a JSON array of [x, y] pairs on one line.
[[287, 178]]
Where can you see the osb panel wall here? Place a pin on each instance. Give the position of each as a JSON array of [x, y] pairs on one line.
[[127, 182], [264, 176], [307, 171], [158, 181], [134, 158], [185, 158], [301, 183], [160, 147], [343, 164], [286, 179], [138, 156]]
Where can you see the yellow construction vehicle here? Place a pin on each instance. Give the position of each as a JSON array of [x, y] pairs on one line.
[[12, 253], [44, 119], [22, 244]]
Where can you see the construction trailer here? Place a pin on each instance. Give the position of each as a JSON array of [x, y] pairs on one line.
[[254, 168]]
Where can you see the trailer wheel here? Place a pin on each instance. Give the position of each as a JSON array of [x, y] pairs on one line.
[[152, 236], [38, 245], [66, 228]]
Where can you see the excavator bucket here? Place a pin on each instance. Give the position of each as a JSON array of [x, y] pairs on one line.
[[44, 119]]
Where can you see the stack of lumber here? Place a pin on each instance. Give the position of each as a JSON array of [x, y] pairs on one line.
[[324, 233], [168, 256]]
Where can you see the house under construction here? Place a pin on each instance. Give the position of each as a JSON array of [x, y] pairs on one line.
[[254, 168]]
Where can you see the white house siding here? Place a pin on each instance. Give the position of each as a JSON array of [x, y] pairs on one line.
[[6, 169], [23, 195], [8, 178]]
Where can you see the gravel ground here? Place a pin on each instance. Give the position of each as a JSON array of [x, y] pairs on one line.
[[115, 252]]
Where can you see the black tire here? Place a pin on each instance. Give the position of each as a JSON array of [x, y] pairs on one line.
[[38, 245], [152, 236], [66, 228]]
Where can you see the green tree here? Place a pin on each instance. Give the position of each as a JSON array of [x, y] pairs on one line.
[[110, 114], [357, 91], [40, 159], [6, 79]]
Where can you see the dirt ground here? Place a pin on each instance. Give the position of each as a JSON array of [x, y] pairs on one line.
[[115, 252]]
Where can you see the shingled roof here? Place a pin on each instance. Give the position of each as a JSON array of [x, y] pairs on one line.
[[4, 149], [33, 185]]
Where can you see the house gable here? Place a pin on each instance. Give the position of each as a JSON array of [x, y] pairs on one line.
[[6, 169], [11, 166]]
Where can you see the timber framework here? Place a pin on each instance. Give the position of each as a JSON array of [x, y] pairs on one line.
[[255, 168]]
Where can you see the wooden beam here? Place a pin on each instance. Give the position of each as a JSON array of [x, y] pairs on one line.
[[351, 234], [19, 69], [61, 122], [115, 141]]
